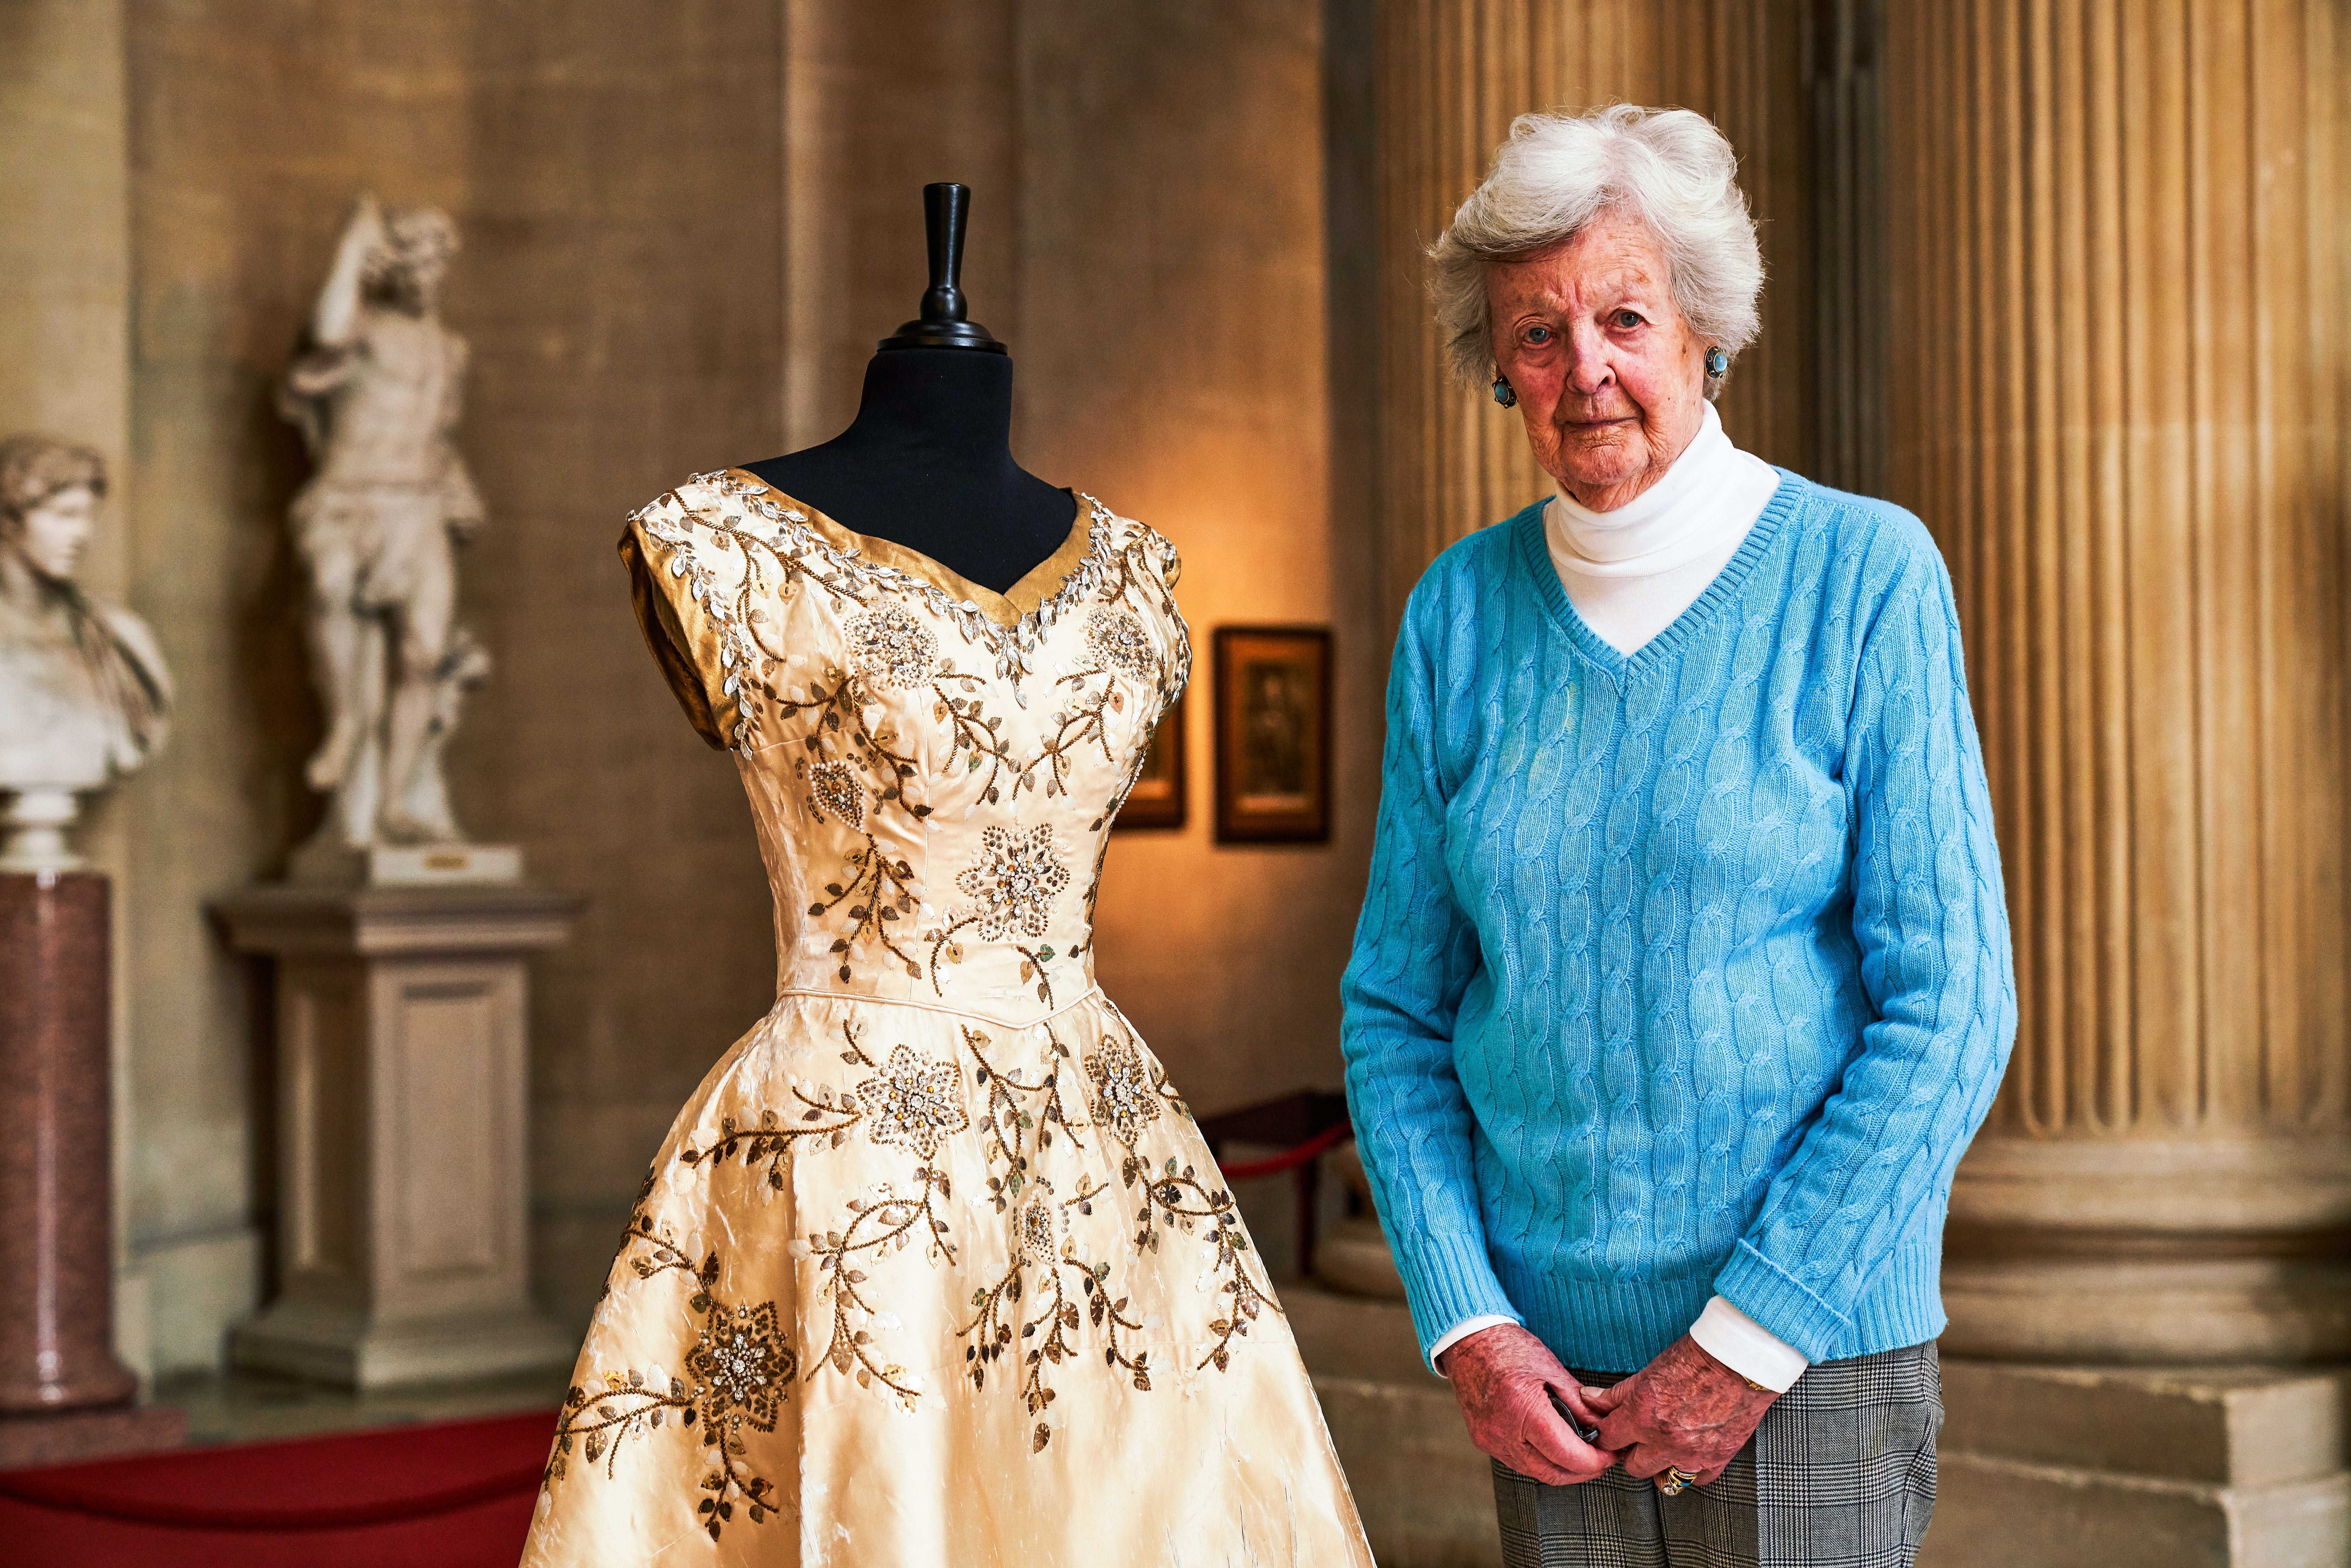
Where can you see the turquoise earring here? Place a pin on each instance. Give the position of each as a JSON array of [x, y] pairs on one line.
[[1504, 393], [1717, 363]]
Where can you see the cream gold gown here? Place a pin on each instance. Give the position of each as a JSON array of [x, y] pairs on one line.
[[933, 1268]]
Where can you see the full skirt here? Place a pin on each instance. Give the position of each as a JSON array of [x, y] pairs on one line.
[[905, 1286]]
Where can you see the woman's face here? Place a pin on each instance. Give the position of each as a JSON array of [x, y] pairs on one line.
[[52, 535], [1610, 379]]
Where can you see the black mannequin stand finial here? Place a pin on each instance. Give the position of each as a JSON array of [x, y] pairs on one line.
[[928, 463], [942, 324]]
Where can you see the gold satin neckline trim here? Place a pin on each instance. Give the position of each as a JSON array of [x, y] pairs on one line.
[[1007, 608]]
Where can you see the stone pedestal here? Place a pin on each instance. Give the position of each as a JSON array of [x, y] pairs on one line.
[[403, 1103], [63, 1393], [56, 1232]]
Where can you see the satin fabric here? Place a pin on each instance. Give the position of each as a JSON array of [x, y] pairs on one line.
[[934, 1267]]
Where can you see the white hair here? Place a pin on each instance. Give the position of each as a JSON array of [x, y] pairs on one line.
[[1670, 168]]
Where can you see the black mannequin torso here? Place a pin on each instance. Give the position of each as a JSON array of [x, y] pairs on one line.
[[927, 465]]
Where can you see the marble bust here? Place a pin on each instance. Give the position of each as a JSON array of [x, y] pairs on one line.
[[84, 695]]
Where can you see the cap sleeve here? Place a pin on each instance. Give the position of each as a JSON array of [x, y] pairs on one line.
[[680, 566], [1161, 560]]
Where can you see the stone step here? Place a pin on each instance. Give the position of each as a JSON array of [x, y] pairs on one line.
[[2223, 1426], [1427, 1495], [2056, 1467], [2001, 1512]]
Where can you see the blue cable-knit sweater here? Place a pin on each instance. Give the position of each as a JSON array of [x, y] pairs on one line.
[[1684, 971]]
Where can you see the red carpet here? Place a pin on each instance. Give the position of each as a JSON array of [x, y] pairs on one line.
[[454, 1494]]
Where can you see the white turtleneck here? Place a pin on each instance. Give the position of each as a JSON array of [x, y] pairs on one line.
[[1631, 572]]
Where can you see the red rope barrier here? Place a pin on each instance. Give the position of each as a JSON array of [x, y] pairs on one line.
[[1320, 1144]]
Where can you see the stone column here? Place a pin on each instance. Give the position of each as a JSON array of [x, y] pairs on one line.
[[1453, 74], [56, 1232], [2118, 245], [63, 1395], [2119, 258]]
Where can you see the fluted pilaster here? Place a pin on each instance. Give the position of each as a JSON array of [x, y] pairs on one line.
[[1453, 75], [2118, 240]]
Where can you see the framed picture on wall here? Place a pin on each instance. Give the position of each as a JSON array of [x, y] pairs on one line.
[[1157, 799], [1273, 735]]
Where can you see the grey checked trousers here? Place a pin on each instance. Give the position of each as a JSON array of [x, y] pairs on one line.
[[1840, 1474]]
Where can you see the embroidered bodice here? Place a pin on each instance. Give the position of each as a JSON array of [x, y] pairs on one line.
[[933, 766]]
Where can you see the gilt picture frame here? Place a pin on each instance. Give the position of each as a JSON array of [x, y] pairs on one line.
[[1159, 801], [1273, 735]]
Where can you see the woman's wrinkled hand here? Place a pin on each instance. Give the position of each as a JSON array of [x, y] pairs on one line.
[[1684, 1409], [1506, 1380]]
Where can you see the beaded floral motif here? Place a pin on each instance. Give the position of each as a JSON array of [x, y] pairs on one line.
[[878, 1228], [1116, 638], [1055, 1290], [913, 1102], [1125, 1100], [1019, 875], [744, 1362], [750, 520], [773, 547], [863, 764], [837, 794], [1015, 883], [866, 762], [887, 647], [1041, 1226], [847, 573], [742, 1366]]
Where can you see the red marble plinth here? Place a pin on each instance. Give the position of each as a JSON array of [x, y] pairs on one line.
[[69, 1436], [57, 1238]]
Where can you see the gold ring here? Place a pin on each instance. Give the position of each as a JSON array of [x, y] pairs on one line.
[[1674, 1479]]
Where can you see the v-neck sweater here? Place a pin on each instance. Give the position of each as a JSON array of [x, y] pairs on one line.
[[1684, 972]]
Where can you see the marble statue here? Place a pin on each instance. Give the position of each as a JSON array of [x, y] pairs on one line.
[[84, 695], [377, 394]]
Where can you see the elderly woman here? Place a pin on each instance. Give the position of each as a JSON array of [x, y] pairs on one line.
[[1684, 975]]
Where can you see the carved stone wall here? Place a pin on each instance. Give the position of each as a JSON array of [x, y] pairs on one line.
[[617, 184], [1174, 302], [682, 237], [880, 96], [65, 253], [2119, 252]]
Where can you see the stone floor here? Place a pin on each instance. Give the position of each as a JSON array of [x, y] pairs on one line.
[[245, 1407], [2189, 1470], [1424, 1491]]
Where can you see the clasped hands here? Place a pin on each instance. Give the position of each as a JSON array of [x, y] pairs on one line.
[[1684, 1409]]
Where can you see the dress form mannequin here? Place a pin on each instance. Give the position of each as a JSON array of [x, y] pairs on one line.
[[928, 463]]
